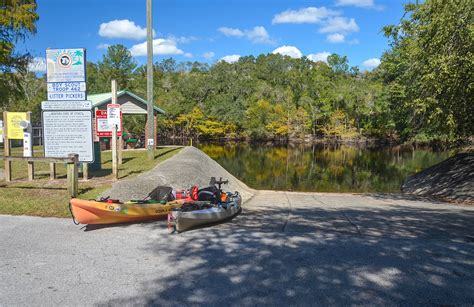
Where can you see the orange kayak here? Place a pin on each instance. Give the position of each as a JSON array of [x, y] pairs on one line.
[[94, 212]]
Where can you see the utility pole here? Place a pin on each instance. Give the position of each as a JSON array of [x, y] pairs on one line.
[[149, 83]]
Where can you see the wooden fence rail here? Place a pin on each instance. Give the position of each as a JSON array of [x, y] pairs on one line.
[[72, 170]]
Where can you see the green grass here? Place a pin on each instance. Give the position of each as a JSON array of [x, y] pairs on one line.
[[43, 197]]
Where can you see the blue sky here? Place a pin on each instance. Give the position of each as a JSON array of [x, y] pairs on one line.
[[211, 30]]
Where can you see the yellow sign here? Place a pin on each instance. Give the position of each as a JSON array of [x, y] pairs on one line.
[[14, 131]]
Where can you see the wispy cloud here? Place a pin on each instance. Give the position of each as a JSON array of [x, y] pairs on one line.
[[339, 25], [358, 3], [335, 38], [371, 63], [230, 58], [103, 46], [304, 15], [160, 47], [257, 35], [319, 57], [182, 39], [208, 55]]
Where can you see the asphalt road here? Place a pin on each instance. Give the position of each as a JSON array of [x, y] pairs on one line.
[[284, 249]]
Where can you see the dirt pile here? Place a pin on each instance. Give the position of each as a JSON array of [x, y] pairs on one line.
[[452, 179]]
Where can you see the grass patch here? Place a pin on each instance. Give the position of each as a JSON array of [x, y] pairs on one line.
[[44, 197]]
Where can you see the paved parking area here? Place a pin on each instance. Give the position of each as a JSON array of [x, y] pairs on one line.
[[284, 249]]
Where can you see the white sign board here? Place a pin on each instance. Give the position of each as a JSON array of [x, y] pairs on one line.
[[67, 132], [113, 115], [27, 146], [66, 105], [66, 96], [66, 65], [66, 87]]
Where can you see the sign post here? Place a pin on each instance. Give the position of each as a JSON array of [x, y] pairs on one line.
[[1, 131], [6, 149], [114, 121]]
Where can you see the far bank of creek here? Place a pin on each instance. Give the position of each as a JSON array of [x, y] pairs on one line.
[[322, 167]]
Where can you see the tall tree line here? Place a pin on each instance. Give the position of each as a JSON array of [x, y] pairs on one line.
[[422, 91]]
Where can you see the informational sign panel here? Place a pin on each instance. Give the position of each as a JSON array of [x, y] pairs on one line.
[[27, 145], [113, 115], [15, 131], [102, 126], [1, 131], [66, 65], [66, 132]]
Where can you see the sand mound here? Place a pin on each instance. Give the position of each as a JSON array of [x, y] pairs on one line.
[[187, 168]]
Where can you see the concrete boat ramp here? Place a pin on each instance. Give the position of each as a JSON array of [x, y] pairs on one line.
[[284, 249]]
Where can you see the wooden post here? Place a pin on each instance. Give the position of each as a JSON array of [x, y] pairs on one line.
[[72, 175], [120, 148], [31, 166], [120, 140], [114, 152], [85, 171], [52, 171], [155, 130], [6, 150]]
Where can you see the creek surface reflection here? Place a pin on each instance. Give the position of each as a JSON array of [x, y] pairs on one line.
[[322, 168]]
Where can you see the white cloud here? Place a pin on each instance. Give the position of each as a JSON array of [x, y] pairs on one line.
[[371, 63], [231, 32], [335, 38], [208, 55], [160, 47], [305, 15], [103, 46], [355, 41], [37, 65], [358, 3], [182, 39], [319, 57], [257, 35], [122, 29], [188, 55], [339, 24], [290, 51], [230, 58]]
